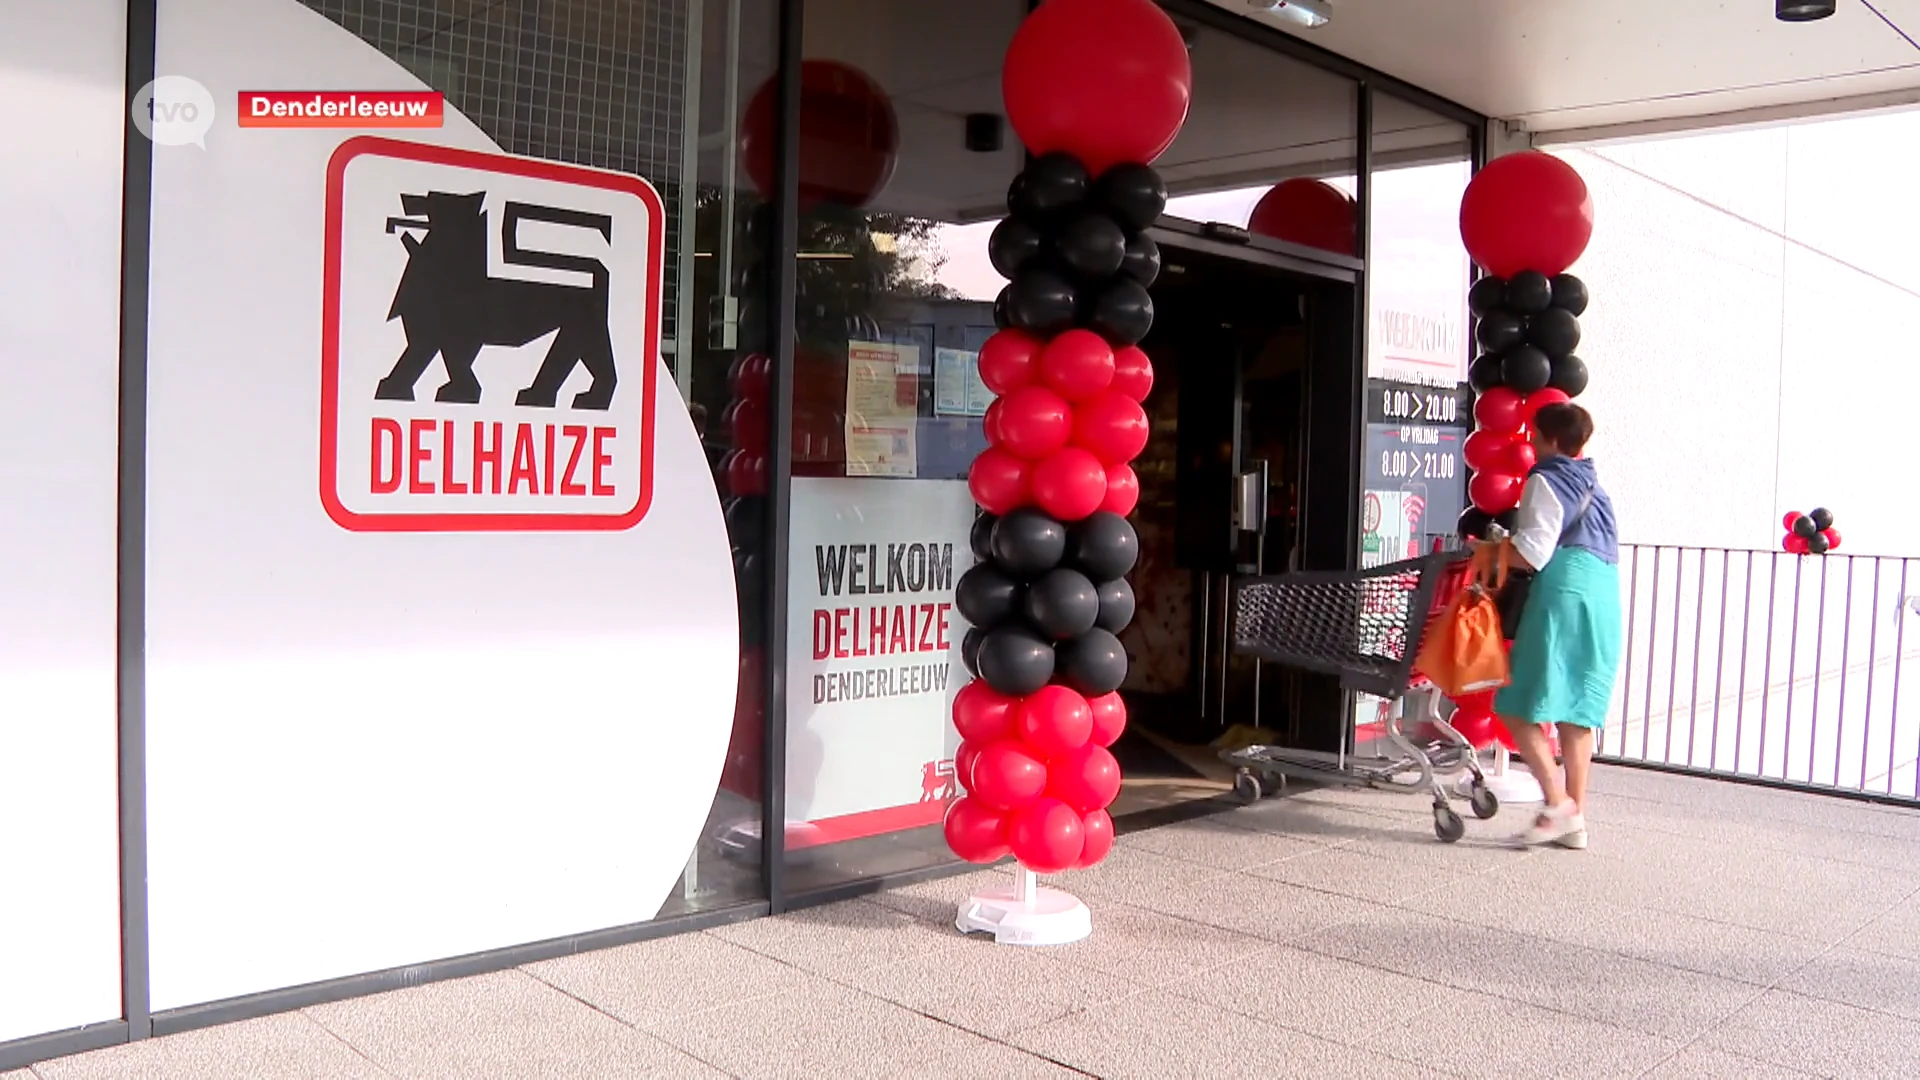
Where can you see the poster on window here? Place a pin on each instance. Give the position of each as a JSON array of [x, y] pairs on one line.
[[883, 396], [873, 652]]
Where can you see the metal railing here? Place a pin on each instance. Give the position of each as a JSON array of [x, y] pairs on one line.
[[1771, 667]]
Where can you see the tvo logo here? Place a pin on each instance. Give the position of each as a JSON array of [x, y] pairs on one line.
[[174, 110]]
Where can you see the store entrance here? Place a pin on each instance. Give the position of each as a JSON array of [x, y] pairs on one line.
[[1244, 350]]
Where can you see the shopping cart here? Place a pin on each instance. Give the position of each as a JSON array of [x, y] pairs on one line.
[[1365, 628]]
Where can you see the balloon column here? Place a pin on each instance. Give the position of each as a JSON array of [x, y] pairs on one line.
[[1097, 89], [1525, 218], [1810, 534]]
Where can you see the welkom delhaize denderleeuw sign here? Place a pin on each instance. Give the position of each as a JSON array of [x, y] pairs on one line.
[[490, 332]]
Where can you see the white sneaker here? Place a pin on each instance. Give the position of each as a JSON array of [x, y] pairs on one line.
[[1561, 824]]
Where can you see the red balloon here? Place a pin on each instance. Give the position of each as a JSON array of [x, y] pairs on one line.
[[1070, 484], [755, 377], [1499, 410], [999, 481], [748, 474], [1109, 718], [1010, 360], [976, 832], [1477, 728], [1132, 372], [982, 714], [1833, 540], [1104, 80], [990, 423], [963, 762], [849, 135], [1795, 544], [1496, 493], [1516, 458], [1483, 449], [1788, 521], [1123, 490], [1540, 399], [1310, 212], [1096, 838], [1078, 363], [1087, 779], [1047, 836], [1054, 720], [1526, 211], [1007, 775], [1112, 426], [748, 425], [1034, 422]]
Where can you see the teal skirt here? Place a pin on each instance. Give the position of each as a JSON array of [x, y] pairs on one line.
[[1567, 650]]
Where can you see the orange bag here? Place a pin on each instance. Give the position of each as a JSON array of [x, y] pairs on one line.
[[1464, 651]]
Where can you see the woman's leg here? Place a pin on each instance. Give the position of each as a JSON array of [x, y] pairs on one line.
[[1531, 739], [1576, 749]]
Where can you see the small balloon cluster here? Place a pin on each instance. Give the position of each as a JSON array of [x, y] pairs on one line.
[[1524, 219], [1048, 596], [1810, 534], [741, 475]]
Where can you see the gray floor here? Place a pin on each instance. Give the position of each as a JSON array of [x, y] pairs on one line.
[[1711, 931]]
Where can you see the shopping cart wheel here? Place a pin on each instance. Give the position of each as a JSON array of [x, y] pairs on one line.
[[1448, 825], [1484, 802], [1248, 786]]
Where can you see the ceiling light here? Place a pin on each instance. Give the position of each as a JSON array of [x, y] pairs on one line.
[[1802, 10], [1310, 13]]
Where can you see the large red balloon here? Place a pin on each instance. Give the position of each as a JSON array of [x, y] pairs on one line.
[[1123, 490], [1054, 720], [1499, 410], [1310, 212], [999, 481], [1111, 425], [1132, 372], [963, 762], [849, 135], [1833, 539], [747, 475], [1010, 360], [1478, 728], [1484, 448], [747, 423], [1795, 544], [1047, 835], [1104, 80], [976, 832], [1109, 718], [1788, 521], [755, 376], [1496, 493], [1086, 779], [1096, 838], [982, 714], [1526, 211], [1516, 458], [1007, 775], [990, 423], [1078, 363], [1540, 399], [1034, 422], [1069, 484]]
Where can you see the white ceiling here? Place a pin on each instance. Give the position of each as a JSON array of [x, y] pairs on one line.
[[1580, 65]]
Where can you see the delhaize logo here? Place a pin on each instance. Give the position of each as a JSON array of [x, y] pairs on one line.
[[490, 339]]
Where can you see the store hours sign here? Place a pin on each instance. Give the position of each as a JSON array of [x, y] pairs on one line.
[[490, 338]]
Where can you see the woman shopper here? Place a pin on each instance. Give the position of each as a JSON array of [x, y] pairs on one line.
[[1566, 650]]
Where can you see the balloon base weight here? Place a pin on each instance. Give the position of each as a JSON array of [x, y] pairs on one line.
[[1025, 914]]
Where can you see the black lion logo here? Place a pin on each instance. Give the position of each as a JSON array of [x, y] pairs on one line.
[[450, 308]]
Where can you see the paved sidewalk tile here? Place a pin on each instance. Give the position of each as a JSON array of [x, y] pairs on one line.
[[1797, 1032], [653, 982], [289, 1046]]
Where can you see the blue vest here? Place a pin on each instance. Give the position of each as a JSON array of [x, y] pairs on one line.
[[1571, 480]]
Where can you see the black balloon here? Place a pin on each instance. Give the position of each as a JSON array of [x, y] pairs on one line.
[[1485, 374], [1142, 263], [1054, 183], [1473, 523], [987, 596], [1498, 331], [970, 650], [1508, 519], [1015, 661], [1094, 663], [1133, 193], [1062, 604], [1569, 375], [1028, 542], [1818, 544], [749, 573], [1092, 245], [1103, 546], [1529, 293], [1570, 294], [1013, 244], [1002, 318], [746, 518], [1822, 518], [1554, 331], [1488, 295], [1116, 605], [1040, 302], [1123, 313], [1804, 527], [1526, 369], [980, 538]]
